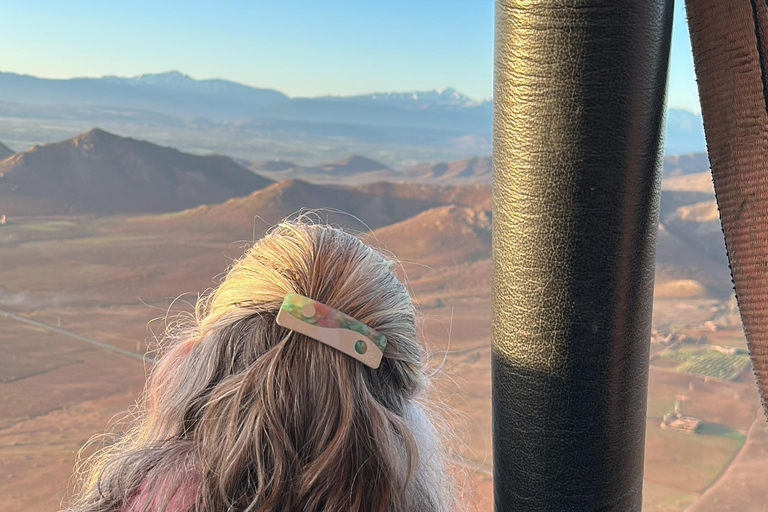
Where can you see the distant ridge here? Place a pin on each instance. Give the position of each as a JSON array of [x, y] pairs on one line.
[[170, 93], [343, 206], [5, 151], [476, 169], [474, 196], [101, 173], [221, 115], [678, 171], [358, 170], [273, 166], [174, 93], [679, 165], [351, 170], [353, 165]]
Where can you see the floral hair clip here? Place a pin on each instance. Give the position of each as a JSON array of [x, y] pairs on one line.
[[332, 327]]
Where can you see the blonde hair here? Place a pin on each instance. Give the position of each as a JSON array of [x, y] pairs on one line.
[[248, 416]]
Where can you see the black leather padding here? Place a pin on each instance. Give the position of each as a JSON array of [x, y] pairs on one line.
[[578, 114]]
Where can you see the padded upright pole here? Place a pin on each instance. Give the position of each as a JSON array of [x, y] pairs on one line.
[[578, 115]]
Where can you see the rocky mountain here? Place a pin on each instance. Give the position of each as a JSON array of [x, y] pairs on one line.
[[698, 225], [101, 173], [444, 252], [690, 253], [690, 244], [343, 206], [435, 214], [680, 262], [441, 236], [5, 151]]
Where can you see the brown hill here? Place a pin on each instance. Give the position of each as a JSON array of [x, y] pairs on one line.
[[353, 165], [5, 151], [679, 165], [360, 170], [97, 172], [698, 226], [698, 182], [439, 237], [343, 206], [474, 196], [690, 253], [273, 166], [479, 169], [351, 170], [689, 213], [678, 260], [690, 249], [476, 169], [671, 200], [445, 251]]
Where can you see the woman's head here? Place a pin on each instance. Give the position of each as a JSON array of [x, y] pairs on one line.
[[252, 416]]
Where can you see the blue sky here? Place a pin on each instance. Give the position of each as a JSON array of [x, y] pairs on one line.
[[300, 47]]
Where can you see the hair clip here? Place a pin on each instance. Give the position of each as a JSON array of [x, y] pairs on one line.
[[332, 327]]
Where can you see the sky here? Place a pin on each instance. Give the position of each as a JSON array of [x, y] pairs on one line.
[[301, 47]]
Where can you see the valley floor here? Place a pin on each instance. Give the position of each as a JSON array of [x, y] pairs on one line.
[[115, 280]]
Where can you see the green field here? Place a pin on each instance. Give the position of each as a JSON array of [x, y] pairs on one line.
[[707, 362], [715, 364]]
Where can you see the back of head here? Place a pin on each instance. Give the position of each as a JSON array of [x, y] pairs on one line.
[[243, 414]]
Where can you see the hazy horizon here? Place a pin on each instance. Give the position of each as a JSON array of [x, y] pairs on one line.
[[198, 79], [303, 49]]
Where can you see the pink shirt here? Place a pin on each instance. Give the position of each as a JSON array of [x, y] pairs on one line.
[[182, 501]]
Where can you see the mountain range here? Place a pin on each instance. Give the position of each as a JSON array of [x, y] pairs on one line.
[[357, 169], [100, 173], [437, 214], [220, 116], [354, 168], [97, 172], [171, 94]]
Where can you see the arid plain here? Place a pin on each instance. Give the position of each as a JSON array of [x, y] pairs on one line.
[[115, 279]]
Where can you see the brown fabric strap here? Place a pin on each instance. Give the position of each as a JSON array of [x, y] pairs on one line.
[[730, 45]]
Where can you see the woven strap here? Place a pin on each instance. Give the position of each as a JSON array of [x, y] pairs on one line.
[[730, 45]]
